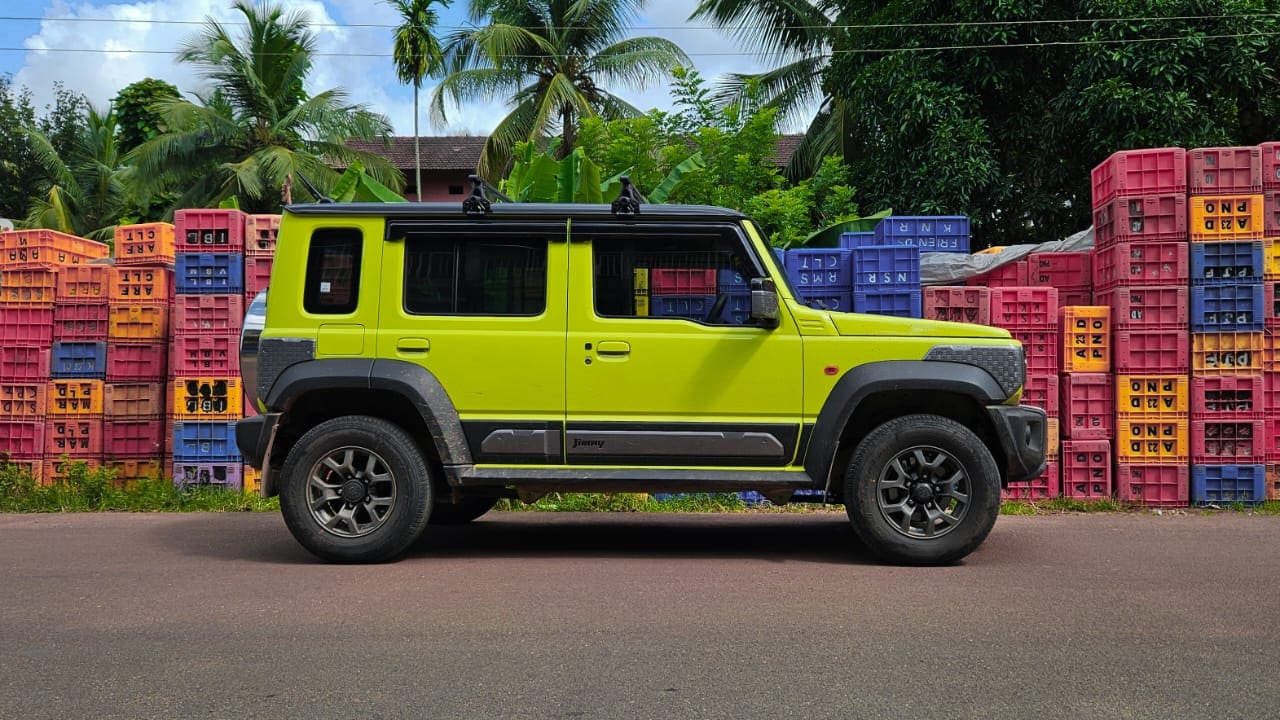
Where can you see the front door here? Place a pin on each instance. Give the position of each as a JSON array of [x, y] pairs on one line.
[[663, 365]]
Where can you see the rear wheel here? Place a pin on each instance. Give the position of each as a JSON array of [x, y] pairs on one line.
[[922, 490], [355, 489]]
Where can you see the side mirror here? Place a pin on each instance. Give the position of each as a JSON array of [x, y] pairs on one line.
[[764, 302]]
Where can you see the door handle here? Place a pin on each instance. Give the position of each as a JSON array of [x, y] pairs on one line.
[[613, 347], [413, 345]]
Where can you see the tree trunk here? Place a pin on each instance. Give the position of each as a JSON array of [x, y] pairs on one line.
[[568, 131], [417, 150]]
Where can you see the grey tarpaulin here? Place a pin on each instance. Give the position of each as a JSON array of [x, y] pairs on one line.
[[955, 268]]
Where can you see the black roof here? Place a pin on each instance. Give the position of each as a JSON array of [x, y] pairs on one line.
[[453, 211]]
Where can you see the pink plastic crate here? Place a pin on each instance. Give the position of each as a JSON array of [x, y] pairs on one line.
[[257, 273], [1141, 219], [1229, 397], [1224, 170], [1151, 352], [24, 362], [208, 231], [1271, 214], [1148, 307], [260, 233], [1272, 441], [135, 437], [1154, 485], [79, 322], [1012, 274], [1045, 487], [958, 304], [1271, 165], [1060, 269], [21, 438], [1140, 172], [1029, 308], [1158, 263], [1041, 390], [680, 281], [136, 362], [23, 325], [1086, 469], [1041, 349], [1088, 406], [1228, 442], [205, 355], [208, 314]]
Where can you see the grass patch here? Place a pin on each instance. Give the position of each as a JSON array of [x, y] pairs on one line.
[[95, 490], [639, 502]]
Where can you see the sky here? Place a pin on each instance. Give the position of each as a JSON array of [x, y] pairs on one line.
[[129, 45]]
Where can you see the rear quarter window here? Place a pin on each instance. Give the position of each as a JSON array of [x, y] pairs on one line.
[[333, 271]]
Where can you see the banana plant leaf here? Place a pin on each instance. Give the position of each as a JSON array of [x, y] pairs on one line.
[[356, 186], [669, 183]]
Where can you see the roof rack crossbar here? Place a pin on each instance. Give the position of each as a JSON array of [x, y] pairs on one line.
[[628, 202]]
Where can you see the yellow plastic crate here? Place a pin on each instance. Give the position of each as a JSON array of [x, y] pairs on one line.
[[1156, 439], [1226, 217], [252, 480], [1227, 353], [75, 397], [1152, 395], [204, 398], [128, 471], [140, 323], [1086, 338], [1052, 443], [1271, 259]]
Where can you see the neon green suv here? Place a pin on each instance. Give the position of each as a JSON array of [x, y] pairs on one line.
[[417, 362]]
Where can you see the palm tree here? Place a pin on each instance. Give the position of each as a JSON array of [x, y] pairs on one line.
[[86, 194], [803, 32], [259, 128], [417, 53], [551, 60]]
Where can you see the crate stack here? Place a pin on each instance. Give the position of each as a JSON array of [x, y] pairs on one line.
[[140, 291], [205, 394], [1271, 297], [1086, 368], [1228, 416], [823, 276], [886, 261], [50, 371]]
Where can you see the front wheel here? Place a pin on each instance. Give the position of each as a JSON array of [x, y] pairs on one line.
[[922, 490], [355, 489]]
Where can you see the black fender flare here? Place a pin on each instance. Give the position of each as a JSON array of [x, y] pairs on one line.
[[412, 382], [859, 383]]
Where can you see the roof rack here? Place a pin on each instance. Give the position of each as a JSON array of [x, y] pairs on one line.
[[477, 205], [628, 202]]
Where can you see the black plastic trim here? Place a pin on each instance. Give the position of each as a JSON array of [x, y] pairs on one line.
[[786, 435], [252, 435], [478, 430], [504, 211], [580, 479], [1023, 434]]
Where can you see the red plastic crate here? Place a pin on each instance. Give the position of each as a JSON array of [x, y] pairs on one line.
[[676, 281], [1147, 218], [79, 322], [209, 355], [84, 283], [208, 314], [28, 286], [1270, 165], [1219, 170], [136, 399], [257, 273], [1088, 406], [1228, 442], [1271, 214], [21, 438], [1012, 274], [209, 231], [1229, 397], [260, 233], [1148, 307], [1041, 350], [135, 437], [958, 303], [73, 436], [1045, 487], [25, 362], [141, 284], [1030, 308], [1041, 390], [1060, 269], [1151, 352], [1086, 469], [1159, 263], [1154, 485], [1158, 171], [136, 362], [21, 325]]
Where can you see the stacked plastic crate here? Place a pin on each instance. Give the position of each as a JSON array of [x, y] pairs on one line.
[[1271, 273], [50, 374], [260, 232], [1141, 268], [1086, 367], [140, 288], [1030, 314], [1228, 423], [925, 233], [681, 292], [823, 276], [205, 394]]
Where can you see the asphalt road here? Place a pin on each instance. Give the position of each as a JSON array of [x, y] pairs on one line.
[[541, 615]]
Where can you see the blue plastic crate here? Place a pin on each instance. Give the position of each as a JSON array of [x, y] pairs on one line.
[[728, 281], [1228, 308], [1225, 484], [737, 310], [781, 255], [1225, 263], [209, 274], [886, 267], [693, 307], [905, 304], [79, 360], [852, 240], [205, 442], [930, 233], [833, 301], [820, 268]]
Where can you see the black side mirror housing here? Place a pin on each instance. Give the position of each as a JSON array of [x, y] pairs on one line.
[[764, 302]]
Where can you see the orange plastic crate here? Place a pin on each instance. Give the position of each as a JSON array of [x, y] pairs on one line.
[[1152, 395], [204, 398], [1226, 217], [1086, 338], [132, 470], [1053, 438], [83, 283], [47, 248], [141, 323], [30, 286], [1157, 439], [260, 233], [57, 470], [75, 396], [23, 400], [143, 284], [134, 399], [149, 244]]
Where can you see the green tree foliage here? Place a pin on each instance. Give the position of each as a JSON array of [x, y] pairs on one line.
[[552, 62], [136, 112], [788, 215], [19, 172], [417, 53], [86, 194], [1007, 129], [260, 127]]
